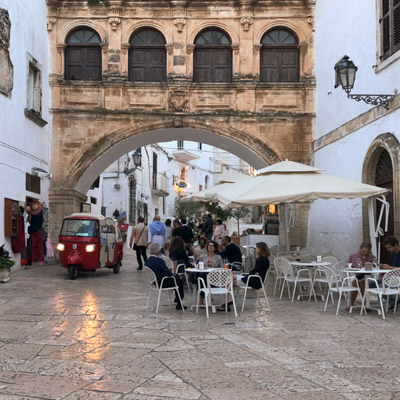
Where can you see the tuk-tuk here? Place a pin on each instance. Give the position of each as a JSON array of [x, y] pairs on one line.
[[88, 242]]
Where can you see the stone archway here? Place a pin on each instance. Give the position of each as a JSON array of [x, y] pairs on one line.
[[381, 167], [87, 161]]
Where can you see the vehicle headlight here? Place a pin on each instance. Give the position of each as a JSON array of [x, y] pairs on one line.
[[90, 248], [60, 247]]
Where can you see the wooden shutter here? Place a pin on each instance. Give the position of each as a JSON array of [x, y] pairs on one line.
[[289, 69], [269, 71], [156, 61], [8, 215], [32, 183], [137, 65], [385, 27], [396, 25], [74, 60], [222, 65], [93, 64], [202, 65]]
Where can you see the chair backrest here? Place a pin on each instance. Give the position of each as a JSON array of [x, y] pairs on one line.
[[282, 253], [180, 268], [273, 250], [392, 279], [236, 266], [330, 259], [220, 277], [283, 267], [168, 262], [151, 277]]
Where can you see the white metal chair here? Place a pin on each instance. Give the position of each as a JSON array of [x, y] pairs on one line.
[[219, 282], [301, 276], [322, 277], [330, 259], [390, 287], [247, 287], [168, 262], [160, 288], [181, 272], [279, 275], [342, 288]]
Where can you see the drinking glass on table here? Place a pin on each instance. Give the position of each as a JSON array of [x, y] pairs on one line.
[[359, 263]]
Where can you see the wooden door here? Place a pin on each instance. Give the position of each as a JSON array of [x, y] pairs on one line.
[[384, 178], [279, 65], [213, 64]]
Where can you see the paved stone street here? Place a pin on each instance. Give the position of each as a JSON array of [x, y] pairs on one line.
[[94, 339]]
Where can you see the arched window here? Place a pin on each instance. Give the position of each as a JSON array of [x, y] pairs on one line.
[[83, 56], [147, 56], [212, 57], [279, 58]]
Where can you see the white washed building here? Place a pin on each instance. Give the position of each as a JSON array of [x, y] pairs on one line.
[[24, 108], [355, 140]]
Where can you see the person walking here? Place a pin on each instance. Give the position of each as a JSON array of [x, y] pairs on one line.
[[139, 240], [157, 232], [208, 226], [168, 233], [183, 230]]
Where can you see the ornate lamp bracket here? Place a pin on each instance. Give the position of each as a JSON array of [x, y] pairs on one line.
[[373, 99]]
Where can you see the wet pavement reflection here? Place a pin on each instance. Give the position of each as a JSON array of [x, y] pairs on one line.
[[94, 338]]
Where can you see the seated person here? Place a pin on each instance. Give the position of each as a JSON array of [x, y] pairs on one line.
[[177, 251], [200, 249], [358, 260], [212, 259], [157, 265], [230, 250], [261, 268]]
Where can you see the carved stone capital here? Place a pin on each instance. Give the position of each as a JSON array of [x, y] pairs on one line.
[[60, 47], [235, 47], [190, 48], [180, 24], [114, 22], [246, 22], [50, 23], [256, 48], [302, 44], [125, 47], [170, 48]]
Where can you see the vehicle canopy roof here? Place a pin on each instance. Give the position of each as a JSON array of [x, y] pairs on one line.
[[86, 216]]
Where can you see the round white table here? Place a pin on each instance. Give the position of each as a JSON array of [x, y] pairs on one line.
[[310, 263]]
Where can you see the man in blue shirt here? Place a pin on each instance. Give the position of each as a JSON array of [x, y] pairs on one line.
[[158, 266]]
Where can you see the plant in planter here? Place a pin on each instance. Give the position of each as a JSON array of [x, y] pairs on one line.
[[5, 264]]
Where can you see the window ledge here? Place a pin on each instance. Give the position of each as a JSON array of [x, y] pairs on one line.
[[35, 117], [381, 65]]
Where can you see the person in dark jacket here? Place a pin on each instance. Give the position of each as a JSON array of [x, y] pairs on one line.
[[261, 268], [177, 252], [230, 251], [183, 230], [158, 266], [208, 227]]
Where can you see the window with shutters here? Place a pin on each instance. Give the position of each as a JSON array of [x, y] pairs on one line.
[[279, 58], [390, 27], [212, 57], [32, 183], [147, 56], [83, 56]]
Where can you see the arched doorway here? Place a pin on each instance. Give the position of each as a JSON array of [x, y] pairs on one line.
[[384, 178]]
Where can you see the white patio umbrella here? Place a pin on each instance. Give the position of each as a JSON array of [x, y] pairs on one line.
[[291, 182]]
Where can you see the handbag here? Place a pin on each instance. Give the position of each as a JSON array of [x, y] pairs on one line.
[[134, 244]]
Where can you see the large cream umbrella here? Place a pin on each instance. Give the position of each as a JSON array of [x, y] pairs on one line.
[[291, 182]]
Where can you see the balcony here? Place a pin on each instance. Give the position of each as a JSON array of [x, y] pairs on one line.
[[160, 185], [184, 156]]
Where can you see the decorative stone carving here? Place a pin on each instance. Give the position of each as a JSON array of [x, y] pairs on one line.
[[114, 22], [256, 48], [170, 48], [178, 123], [235, 48], [6, 66], [246, 22], [189, 48], [50, 23], [180, 24], [178, 101]]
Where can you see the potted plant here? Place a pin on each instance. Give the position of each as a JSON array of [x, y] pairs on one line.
[[5, 264]]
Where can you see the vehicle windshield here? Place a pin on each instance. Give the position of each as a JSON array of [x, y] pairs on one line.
[[80, 227]]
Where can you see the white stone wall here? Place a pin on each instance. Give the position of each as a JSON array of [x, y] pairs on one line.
[[23, 144], [336, 225]]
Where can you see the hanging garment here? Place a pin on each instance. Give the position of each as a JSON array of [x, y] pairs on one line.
[[37, 253], [49, 247], [18, 242]]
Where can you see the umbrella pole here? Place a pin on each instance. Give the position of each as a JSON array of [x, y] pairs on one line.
[[371, 220], [287, 226]]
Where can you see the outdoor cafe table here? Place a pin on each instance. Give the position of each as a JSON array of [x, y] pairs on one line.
[[366, 272], [308, 264], [202, 270]]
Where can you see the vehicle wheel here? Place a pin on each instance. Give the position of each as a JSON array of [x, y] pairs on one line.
[[73, 271], [117, 267]]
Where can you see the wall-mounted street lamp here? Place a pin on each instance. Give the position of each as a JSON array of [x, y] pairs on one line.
[[345, 75], [137, 162]]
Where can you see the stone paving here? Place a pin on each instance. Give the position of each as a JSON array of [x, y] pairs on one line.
[[93, 338]]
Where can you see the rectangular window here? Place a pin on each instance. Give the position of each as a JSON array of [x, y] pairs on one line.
[[199, 146], [390, 27], [32, 183], [34, 88], [155, 170]]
